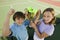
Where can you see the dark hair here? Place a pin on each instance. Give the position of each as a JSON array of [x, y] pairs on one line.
[[18, 15], [52, 12]]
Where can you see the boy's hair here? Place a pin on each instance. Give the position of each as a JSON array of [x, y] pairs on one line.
[[52, 12], [18, 15]]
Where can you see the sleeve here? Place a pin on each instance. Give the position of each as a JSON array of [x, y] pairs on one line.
[[49, 31], [26, 22], [11, 27], [11, 33]]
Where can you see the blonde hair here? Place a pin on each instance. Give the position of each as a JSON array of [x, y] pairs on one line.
[[53, 13]]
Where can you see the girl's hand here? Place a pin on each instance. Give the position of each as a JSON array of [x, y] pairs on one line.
[[33, 25], [38, 14], [11, 12], [36, 21]]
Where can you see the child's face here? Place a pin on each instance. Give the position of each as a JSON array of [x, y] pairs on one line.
[[19, 21], [47, 16]]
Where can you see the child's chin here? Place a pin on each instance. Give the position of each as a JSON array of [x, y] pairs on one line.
[[46, 22]]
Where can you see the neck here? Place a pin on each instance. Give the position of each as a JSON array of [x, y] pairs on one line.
[[18, 23]]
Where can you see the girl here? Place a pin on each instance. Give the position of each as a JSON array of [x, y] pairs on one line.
[[46, 26]]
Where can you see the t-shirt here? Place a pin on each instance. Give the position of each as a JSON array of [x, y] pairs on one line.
[[30, 30], [47, 28], [19, 31], [26, 22]]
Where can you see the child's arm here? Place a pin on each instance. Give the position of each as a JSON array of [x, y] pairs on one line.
[[43, 35], [6, 28], [37, 16], [26, 12]]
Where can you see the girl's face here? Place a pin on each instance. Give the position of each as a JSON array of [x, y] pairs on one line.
[[47, 16]]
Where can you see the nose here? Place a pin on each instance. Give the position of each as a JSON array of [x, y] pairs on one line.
[[46, 18]]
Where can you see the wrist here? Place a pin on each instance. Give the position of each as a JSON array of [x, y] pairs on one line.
[[9, 14], [36, 29]]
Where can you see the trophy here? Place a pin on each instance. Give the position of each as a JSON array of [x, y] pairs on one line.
[[30, 13]]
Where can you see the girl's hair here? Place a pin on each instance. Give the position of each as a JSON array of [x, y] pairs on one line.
[[52, 12]]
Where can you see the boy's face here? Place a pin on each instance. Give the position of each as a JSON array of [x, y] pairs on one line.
[[47, 16], [20, 21]]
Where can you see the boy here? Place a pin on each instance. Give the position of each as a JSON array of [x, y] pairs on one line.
[[17, 29]]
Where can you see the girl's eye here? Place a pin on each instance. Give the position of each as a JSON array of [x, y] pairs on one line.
[[48, 16], [44, 16]]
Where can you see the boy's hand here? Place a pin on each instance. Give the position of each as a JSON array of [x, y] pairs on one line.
[[26, 12], [11, 12]]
